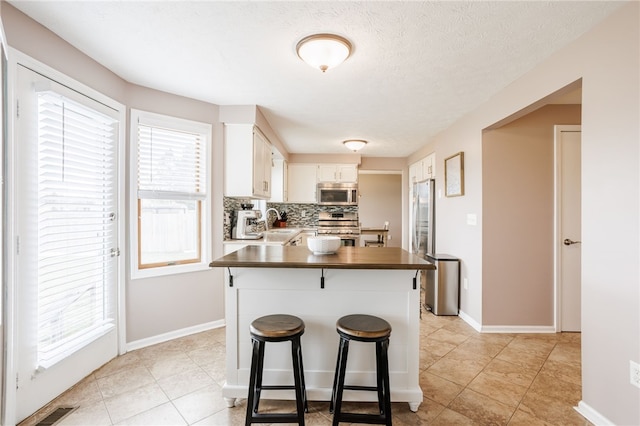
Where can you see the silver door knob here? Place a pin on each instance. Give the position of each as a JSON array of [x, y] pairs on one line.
[[568, 242]]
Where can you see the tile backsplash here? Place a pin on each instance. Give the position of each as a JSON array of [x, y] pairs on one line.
[[298, 215]]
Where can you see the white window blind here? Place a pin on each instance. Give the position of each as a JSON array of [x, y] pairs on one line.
[[76, 230], [171, 188]]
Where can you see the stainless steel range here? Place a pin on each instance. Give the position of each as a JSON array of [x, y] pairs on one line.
[[341, 224]]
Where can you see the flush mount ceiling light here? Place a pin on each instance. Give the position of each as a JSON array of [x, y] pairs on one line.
[[355, 144], [323, 51]]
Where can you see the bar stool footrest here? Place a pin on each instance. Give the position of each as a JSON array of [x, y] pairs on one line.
[[372, 419], [277, 387], [360, 388], [274, 418]]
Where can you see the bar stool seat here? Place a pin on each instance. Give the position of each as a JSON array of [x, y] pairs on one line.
[[276, 328], [363, 328]]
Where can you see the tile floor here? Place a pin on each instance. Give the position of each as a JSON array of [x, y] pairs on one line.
[[467, 378]]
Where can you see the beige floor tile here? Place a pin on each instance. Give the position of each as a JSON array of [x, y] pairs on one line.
[[550, 410], [85, 392], [460, 371], [124, 381], [207, 354], [567, 353], [481, 347], [521, 358], [427, 412], [134, 402], [438, 389], [185, 382], [498, 388], [449, 417], [444, 335], [94, 414], [170, 366], [511, 372], [481, 408], [537, 346], [548, 385], [162, 415], [200, 404], [124, 362], [521, 418], [467, 378], [562, 371]]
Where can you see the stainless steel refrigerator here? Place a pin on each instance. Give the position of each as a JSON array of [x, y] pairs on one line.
[[423, 237]]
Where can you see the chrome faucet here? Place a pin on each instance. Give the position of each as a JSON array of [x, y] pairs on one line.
[[266, 216]]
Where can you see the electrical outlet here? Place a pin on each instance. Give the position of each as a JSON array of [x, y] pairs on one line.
[[465, 283], [303, 213], [389, 237], [634, 373]]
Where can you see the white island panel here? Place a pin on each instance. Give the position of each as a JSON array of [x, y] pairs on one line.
[[385, 293]]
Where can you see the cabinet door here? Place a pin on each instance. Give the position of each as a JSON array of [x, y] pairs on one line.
[[302, 183], [429, 166], [347, 172], [279, 181], [337, 173], [327, 173], [261, 165], [415, 172]]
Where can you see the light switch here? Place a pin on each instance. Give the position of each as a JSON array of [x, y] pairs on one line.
[[472, 219]]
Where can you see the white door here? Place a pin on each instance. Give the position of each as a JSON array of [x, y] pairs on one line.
[[66, 225], [568, 236]]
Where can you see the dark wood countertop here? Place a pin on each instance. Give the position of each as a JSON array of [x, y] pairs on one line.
[[302, 257]]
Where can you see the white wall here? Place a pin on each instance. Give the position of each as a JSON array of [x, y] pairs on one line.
[[607, 60]]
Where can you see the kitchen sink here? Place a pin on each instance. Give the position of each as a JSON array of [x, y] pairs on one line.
[[279, 235]]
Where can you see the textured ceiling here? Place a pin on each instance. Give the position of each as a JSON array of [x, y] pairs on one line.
[[416, 67]]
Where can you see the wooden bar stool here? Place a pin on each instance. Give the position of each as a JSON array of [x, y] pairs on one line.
[[276, 328], [363, 328]]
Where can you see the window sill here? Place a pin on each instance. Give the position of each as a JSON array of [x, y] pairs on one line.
[[168, 270]]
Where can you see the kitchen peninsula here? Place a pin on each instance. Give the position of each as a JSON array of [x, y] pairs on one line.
[[382, 281]]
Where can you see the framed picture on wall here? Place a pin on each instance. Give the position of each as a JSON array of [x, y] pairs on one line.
[[454, 175]]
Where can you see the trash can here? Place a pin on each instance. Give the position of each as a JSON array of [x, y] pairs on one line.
[[442, 285]]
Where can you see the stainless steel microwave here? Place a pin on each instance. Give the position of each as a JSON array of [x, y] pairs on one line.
[[337, 194]]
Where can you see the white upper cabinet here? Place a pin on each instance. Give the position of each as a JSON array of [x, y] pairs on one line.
[[279, 184], [337, 173], [247, 162], [423, 169], [301, 187]]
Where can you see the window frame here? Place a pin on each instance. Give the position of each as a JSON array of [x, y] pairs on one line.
[[204, 238]]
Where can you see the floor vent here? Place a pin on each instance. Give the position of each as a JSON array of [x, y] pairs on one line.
[[55, 416]]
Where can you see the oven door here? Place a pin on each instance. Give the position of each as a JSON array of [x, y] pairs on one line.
[[349, 240]]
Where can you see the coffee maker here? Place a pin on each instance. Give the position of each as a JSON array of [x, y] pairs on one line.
[[246, 225]]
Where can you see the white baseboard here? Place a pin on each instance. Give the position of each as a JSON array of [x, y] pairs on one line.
[[518, 329], [505, 328], [473, 323], [143, 343], [592, 415]]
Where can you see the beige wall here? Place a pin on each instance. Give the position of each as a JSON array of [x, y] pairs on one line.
[[154, 306], [606, 59], [518, 218], [380, 201]]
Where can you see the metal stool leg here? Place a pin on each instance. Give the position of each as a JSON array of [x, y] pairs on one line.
[[304, 386], [386, 384], [339, 386], [252, 381], [298, 378]]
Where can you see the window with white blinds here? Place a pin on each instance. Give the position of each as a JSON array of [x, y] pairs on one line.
[[76, 231], [171, 190]]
